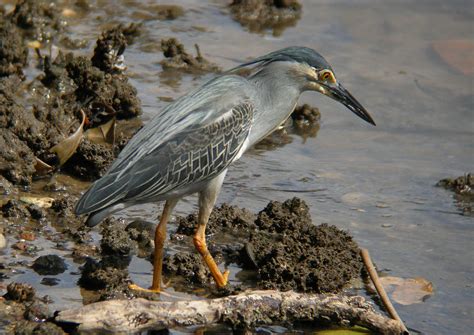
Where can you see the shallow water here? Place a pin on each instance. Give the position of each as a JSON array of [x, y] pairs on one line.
[[376, 182]]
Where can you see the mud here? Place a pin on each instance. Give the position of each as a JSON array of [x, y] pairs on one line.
[[13, 50], [463, 188], [67, 85], [40, 20], [177, 58], [282, 245], [22, 312], [49, 265], [258, 15]]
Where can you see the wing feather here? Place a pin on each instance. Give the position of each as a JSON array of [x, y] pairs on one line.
[[210, 141]]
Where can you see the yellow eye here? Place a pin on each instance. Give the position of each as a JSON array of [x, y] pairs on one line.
[[325, 76]]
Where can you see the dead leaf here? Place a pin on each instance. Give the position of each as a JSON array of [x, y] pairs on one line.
[[407, 291], [458, 54], [67, 147], [42, 168], [43, 202], [103, 134]]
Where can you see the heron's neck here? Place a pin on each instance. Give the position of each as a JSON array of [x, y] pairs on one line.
[[277, 96]]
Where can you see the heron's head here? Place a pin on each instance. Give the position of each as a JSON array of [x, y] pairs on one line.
[[315, 74]]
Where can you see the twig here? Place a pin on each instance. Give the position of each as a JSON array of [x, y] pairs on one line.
[[380, 290]]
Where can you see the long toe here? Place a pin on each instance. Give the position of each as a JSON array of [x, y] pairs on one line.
[[137, 288]]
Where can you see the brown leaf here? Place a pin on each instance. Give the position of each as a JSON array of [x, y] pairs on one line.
[[407, 291], [103, 134], [42, 168], [459, 54], [67, 147]]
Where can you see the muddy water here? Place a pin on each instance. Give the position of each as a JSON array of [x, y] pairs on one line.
[[376, 182]]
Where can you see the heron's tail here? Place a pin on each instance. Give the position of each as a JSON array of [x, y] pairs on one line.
[[96, 217], [104, 197]]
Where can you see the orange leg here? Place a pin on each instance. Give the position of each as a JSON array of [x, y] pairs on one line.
[[207, 198], [160, 237]]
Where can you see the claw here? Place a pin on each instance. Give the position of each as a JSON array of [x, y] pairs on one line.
[[225, 277]]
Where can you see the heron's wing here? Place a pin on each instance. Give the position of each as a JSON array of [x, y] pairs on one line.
[[197, 153], [198, 108], [192, 156]]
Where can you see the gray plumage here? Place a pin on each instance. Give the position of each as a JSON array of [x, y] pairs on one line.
[[194, 140]]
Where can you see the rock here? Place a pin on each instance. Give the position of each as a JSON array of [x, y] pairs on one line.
[[177, 58], [108, 53], [258, 15], [20, 292], [50, 281], [49, 265], [96, 275], [14, 209], [37, 328], [39, 19], [187, 265], [115, 239], [13, 50], [38, 312], [223, 217]]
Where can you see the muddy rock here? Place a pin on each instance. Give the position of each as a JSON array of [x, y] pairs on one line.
[[39, 19], [94, 85], [459, 185], [38, 312], [178, 58], [292, 254], [258, 15], [49, 265], [115, 239], [36, 212], [17, 162], [223, 217], [62, 215], [108, 53], [142, 232], [20, 292], [279, 217], [13, 50], [167, 12], [287, 251], [15, 210], [463, 188], [188, 266], [5, 186], [90, 161], [37, 328], [100, 275], [48, 281]]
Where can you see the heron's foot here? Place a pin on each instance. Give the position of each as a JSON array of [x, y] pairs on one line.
[[137, 288], [222, 280]]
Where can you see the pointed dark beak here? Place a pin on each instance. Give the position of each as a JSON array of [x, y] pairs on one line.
[[339, 93]]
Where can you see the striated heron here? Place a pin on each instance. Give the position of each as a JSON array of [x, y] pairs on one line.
[[188, 147]]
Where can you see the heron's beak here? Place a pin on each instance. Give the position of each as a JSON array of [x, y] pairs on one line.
[[339, 93]]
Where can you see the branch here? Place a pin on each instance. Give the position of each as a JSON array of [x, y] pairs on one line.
[[244, 310], [380, 290]]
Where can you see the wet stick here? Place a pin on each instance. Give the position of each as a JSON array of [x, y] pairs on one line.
[[378, 286]]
